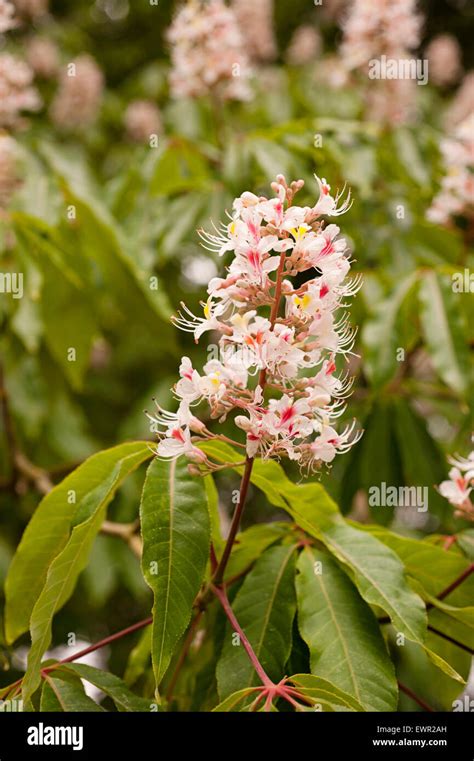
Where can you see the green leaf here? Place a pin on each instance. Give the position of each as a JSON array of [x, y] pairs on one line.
[[65, 307], [342, 633], [65, 569], [377, 572], [49, 529], [59, 694], [409, 155], [324, 693], [213, 504], [250, 544], [176, 537], [423, 463], [235, 702], [445, 331], [180, 168], [264, 606], [432, 566], [115, 688], [380, 334], [139, 658], [379, 459]]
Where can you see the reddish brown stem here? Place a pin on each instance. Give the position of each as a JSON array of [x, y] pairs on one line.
[[106, 641], [414, 697], [224, 601], [234, 527], [451, 639], [456, 582]]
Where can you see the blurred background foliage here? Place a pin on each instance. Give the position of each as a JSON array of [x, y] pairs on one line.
[[104, 230]]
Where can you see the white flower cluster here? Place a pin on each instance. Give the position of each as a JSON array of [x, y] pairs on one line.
[[277, 340], [444, 58], [17, 93], [458, 488], [7, 16], [79, 97], [379, 27], [32, 9], [256, 24], [208, 53], [456, 195], [376, 28], [305, 45], [142, 119]]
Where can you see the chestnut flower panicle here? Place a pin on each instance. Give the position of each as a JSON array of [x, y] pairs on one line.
[[456, 194], [208, 53], [274, 336]]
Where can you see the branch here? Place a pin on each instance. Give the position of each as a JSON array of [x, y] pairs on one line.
[[125, 531], [92, 648], [224, 601]]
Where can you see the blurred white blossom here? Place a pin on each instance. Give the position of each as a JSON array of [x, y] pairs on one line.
[[79, 96], [7, 16], [256, 23], [142, 119], [444, 57], [42, 55], [208, 53], [17, 93], [456, 195], [305, 46]]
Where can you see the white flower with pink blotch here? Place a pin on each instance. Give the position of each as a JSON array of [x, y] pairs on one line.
[[278, 343]]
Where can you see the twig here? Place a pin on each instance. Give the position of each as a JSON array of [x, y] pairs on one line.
[[127, 532], [221, 595], [414, 697], [468, 649], [92, 648]]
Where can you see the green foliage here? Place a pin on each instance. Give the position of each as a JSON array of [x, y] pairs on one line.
[[176, 534]]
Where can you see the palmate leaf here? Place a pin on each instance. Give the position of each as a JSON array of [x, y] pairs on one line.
[[62, 693], [264, 606], [379, 575], [342, 634], [49, 529], [115, 688], [176, 537], [377, 572]]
